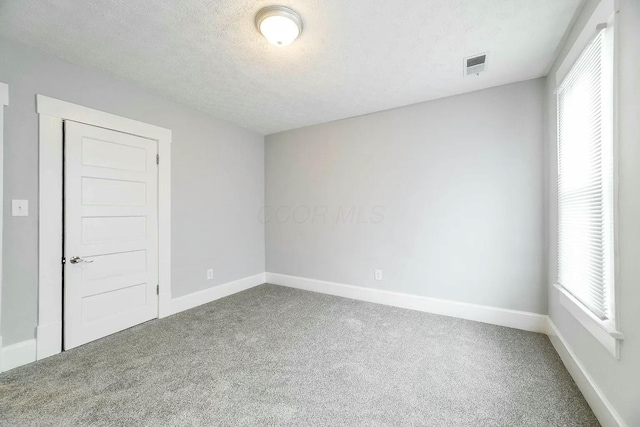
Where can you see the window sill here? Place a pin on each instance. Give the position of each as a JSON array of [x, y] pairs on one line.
[[607, 335]]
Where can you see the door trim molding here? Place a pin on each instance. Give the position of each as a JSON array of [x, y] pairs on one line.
[[51, 113], [4, 100]]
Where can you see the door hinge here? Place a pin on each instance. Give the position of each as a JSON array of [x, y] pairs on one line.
[[64, 260], [157, 159], [157, 289]]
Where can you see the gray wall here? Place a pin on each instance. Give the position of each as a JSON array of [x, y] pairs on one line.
[[217, 180], [619, 380], [446, 198]]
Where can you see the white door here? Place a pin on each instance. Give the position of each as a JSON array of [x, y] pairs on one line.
[[110, 232]]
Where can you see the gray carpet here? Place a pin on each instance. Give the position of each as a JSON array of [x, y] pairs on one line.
[[279, 356]]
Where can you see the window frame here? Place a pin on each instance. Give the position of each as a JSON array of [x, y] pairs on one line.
[[604, 331]]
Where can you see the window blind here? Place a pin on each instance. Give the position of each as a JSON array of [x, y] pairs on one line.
[[585, 182]]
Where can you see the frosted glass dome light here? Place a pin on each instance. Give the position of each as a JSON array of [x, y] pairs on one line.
[[279, 25]]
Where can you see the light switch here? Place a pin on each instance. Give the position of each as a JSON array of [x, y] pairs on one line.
[[20, 208]]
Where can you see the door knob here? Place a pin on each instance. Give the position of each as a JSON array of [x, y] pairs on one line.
[[78, 260]]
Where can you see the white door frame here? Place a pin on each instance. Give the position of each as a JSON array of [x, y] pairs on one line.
[[4, 100], [51, 113]]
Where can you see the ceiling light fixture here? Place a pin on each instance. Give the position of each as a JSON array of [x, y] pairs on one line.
[[279, 25]]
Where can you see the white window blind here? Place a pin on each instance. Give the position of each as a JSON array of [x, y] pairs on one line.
[[585, 181]]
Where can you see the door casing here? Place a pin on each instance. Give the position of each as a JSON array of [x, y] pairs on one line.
[[52, 112], [4, 100]]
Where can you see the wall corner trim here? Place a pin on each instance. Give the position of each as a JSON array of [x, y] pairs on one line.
[[596, 399], [213, 293], [18, 354], [533, 322]]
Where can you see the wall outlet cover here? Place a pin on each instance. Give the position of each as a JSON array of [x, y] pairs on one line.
[[19, 208], [377, 274], [210, 274]]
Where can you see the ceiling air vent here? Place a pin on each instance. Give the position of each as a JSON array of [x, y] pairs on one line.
[[475, 64]]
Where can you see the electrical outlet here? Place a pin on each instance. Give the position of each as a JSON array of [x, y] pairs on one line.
[[210, 274], [377, 274]]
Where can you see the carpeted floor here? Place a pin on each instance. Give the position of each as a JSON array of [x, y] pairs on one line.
[[279, 356]]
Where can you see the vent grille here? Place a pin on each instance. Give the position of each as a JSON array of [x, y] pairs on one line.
[[475, 65]]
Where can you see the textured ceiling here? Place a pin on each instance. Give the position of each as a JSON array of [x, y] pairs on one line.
[[353, 57]]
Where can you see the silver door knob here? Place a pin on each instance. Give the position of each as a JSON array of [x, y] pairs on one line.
[[78, 260]]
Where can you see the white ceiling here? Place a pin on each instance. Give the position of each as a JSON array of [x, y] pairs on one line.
[[353, 57]]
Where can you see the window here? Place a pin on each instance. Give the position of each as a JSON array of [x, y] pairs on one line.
[[586, 260]]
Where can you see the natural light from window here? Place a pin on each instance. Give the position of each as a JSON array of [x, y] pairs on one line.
[[585, 182]]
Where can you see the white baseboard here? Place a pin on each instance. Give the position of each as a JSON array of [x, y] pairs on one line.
[[211, 294], [18, 354], [480, 313], [24, 352], [600, 405], [49, 338]]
